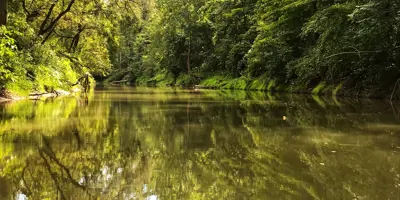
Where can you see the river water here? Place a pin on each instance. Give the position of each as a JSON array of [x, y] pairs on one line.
[[149, 143]]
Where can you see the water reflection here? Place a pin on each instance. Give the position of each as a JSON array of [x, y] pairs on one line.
[[143, 143]]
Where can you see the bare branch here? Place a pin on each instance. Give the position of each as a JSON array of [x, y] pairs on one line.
[[358, 52], [351, 52]]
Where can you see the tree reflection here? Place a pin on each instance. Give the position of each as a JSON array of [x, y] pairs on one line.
[[172, 144]]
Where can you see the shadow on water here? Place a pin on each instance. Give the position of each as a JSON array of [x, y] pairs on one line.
[[150, 143]]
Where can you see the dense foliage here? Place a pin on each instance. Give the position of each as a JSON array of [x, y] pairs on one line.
[[48, 44], [337, 47], [295, 45]]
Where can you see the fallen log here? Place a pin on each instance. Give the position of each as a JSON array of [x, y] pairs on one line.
[[55, 93], [119, 82]]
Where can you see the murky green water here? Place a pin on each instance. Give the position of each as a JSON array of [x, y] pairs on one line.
[[126, 143]]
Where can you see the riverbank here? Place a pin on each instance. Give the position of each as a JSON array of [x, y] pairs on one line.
[[347, 87], [14, 92], [2, 100], [7, 96]]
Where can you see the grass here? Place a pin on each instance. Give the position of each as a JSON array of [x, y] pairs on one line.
[[184, 80], [258, 84], [318, 88], [238, 83], [337, 89], [215, 81]]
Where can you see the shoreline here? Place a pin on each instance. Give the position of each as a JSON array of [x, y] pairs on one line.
[[4, 100], [38, 96], [345, 88], [62, 93], [347, 94]]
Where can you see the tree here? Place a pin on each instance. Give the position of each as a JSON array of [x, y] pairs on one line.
[[56, 41], [3, 12]]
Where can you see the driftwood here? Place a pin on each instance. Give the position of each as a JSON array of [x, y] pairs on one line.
[[39, 94], [4, 100], [6, 96], [119, 82], [54, 93]]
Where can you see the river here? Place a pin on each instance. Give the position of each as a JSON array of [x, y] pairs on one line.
[[153, 143]]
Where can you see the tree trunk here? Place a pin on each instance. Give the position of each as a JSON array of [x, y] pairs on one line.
[[188, 55], [3, 12], [75, 39], [190, 43]]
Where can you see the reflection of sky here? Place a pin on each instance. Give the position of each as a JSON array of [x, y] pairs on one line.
[[21, 196], [145, 190], [152, 197]]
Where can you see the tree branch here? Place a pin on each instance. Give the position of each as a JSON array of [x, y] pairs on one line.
[[53, 23], [24, 7], [75, 39], [358, 52], [352, 52], [47, 37], [43, 25]]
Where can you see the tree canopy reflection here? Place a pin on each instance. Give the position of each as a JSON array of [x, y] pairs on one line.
[[127, 143]]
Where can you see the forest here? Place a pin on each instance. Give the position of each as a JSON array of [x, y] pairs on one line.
[[332, 47]]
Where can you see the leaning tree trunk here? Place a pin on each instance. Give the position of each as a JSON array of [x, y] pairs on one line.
[[3, 12]]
